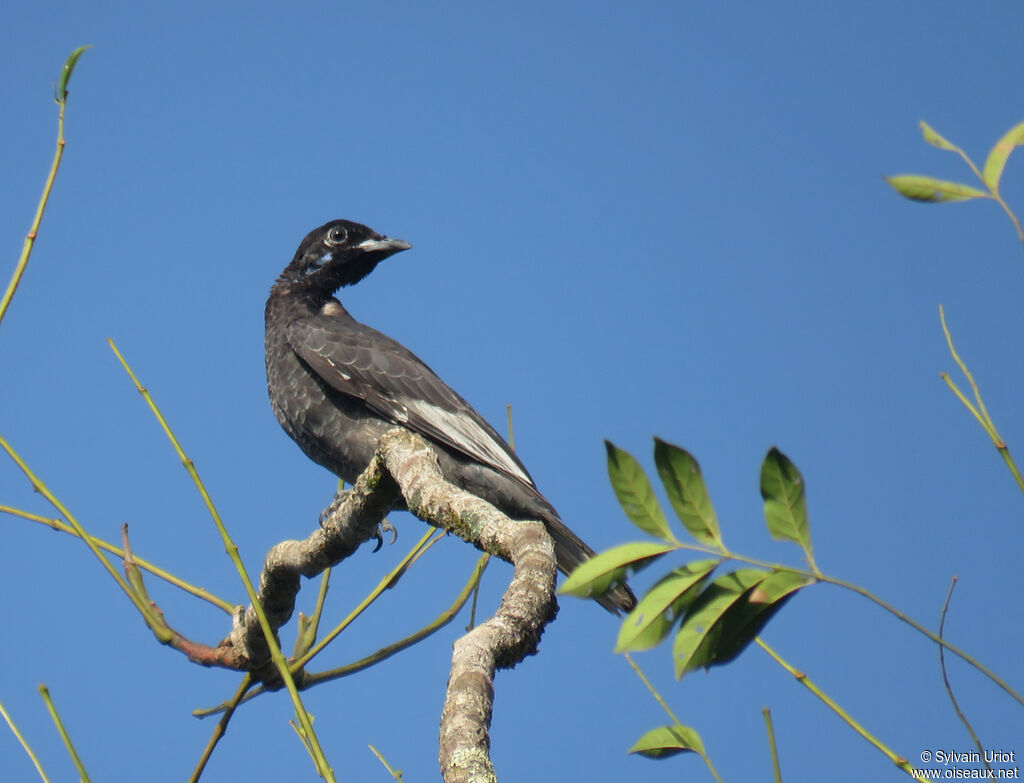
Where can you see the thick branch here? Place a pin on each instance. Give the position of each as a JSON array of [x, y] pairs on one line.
[[350, 520], [506, 638], [405, 466]]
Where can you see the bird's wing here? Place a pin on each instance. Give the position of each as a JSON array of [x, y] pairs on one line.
[[363, 363]]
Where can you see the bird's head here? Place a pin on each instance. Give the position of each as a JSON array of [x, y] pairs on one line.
[[337, 254]]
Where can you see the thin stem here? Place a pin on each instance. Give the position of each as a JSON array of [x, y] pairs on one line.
[[996, 196], [963, 368], [1009, 212], [698, 747], [222, 727], [309, 627], [777, 772], [24, 744], [33, 231], [472, 608], [321, 599], [970, 163], [949, 688], [56, 524], [45, 693], [185, 461], [420, 552], [396, 774], [385, 583], [1005, 452], [654, 692], [980, 413], [806, 681], [43, 490], [922, 629], [311, 680], [384, 653], [305, 722], [511, 432], [967, 404], [871, 597]]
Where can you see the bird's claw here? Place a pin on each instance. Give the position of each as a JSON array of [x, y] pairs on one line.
[[328, 512], [378, 535]]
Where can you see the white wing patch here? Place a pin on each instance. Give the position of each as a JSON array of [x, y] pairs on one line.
[[470, 435], [338, 370]]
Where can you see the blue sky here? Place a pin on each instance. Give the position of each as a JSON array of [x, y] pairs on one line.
[[659, 219]]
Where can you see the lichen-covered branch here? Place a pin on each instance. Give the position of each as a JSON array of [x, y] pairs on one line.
[[507, 637], [404, 471], [352, 519]]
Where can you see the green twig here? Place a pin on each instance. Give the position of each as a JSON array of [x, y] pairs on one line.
[[983, 417], [865, 594], [993, 191], [927, 632], [653, 690], [45, 693], [33, 231], [1009, 213], [321, 599], [310, 626], [970, 163], [472, 608], [699, 750], [396, 774], [384, 584], [384, 653], [305, 727], [979, 412], [222, 727], [43, 490], [777, 772], [24, 744], [996, 195], [56, 524], [310, 680], [419, 551], [806, 681], [949, 688], [511, 432]]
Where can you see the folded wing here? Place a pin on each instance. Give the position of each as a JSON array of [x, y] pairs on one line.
[[363, 363]]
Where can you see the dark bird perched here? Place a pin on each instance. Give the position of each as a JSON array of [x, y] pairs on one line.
[[337, 386]]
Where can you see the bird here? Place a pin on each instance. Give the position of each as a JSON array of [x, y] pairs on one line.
[[336, 386]]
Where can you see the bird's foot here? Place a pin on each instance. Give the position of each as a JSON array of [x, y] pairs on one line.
[[328, 512], [385, 525]]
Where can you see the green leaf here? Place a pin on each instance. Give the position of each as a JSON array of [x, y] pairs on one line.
[[668, 741], [997, 157], [748, 616], [785, 506], [932, 137], [918, 188], [65, 72], [697, 640], [657, 612], [635, 493], [601, 572], [684, 484]]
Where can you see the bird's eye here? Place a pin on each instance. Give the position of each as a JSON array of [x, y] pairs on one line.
[[336, 236]]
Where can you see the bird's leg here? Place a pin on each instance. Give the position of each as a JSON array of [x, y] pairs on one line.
[[385, 525], [328, 512]]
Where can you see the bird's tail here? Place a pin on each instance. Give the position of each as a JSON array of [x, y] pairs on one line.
[[570, 552]]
